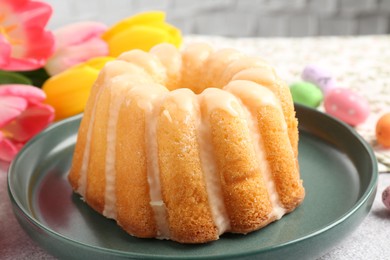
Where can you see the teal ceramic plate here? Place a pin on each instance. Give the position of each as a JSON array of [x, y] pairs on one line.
[[337, 166]]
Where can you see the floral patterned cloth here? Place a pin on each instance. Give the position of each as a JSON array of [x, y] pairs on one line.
[[359, 63]]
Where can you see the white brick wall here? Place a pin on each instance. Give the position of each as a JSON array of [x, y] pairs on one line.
[[356, 7], [337, 26], [227, 23], [271, 26], [384, 6], [240, 18], [322, 7]]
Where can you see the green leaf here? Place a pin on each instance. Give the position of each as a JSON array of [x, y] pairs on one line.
[[7, 77], [38, 77]]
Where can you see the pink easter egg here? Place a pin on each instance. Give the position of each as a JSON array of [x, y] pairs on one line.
[[386, 197], [347, 106]]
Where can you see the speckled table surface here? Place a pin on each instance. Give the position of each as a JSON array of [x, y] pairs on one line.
[[359, 63]]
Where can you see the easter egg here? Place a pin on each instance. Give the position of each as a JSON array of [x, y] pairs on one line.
[[347, 106], [383, 130], [319, 76], [386, 197], [306, 93]]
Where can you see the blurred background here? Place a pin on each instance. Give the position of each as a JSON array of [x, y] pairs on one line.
[[240, 18]]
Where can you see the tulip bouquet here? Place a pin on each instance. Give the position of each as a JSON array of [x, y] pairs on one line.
[[47, 75]]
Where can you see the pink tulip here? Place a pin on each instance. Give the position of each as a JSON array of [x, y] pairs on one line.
[[77, 43], [24, 42], [5, 51], [22, 116]]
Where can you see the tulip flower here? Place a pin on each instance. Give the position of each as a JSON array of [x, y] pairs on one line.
[[142, 31], [68, 91], [24, 42], [77, 43], [22, 116]]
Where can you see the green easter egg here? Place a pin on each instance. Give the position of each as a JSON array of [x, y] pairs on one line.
[[307, 94]]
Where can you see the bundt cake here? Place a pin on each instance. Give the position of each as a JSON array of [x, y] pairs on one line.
[[188, 145]]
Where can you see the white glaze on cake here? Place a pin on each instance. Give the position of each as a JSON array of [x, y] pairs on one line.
[[110, 172], [151, 104], [148, 63], [170, 58], [207, 156]]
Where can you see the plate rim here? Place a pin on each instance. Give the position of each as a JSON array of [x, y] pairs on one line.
[[371, 188]]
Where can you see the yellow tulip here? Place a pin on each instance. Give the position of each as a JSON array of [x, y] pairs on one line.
[[68, 91], [141, 31]]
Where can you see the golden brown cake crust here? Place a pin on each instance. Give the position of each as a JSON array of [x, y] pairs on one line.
[[238, 169], [134, 213], [183, 185], [95, 189]]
